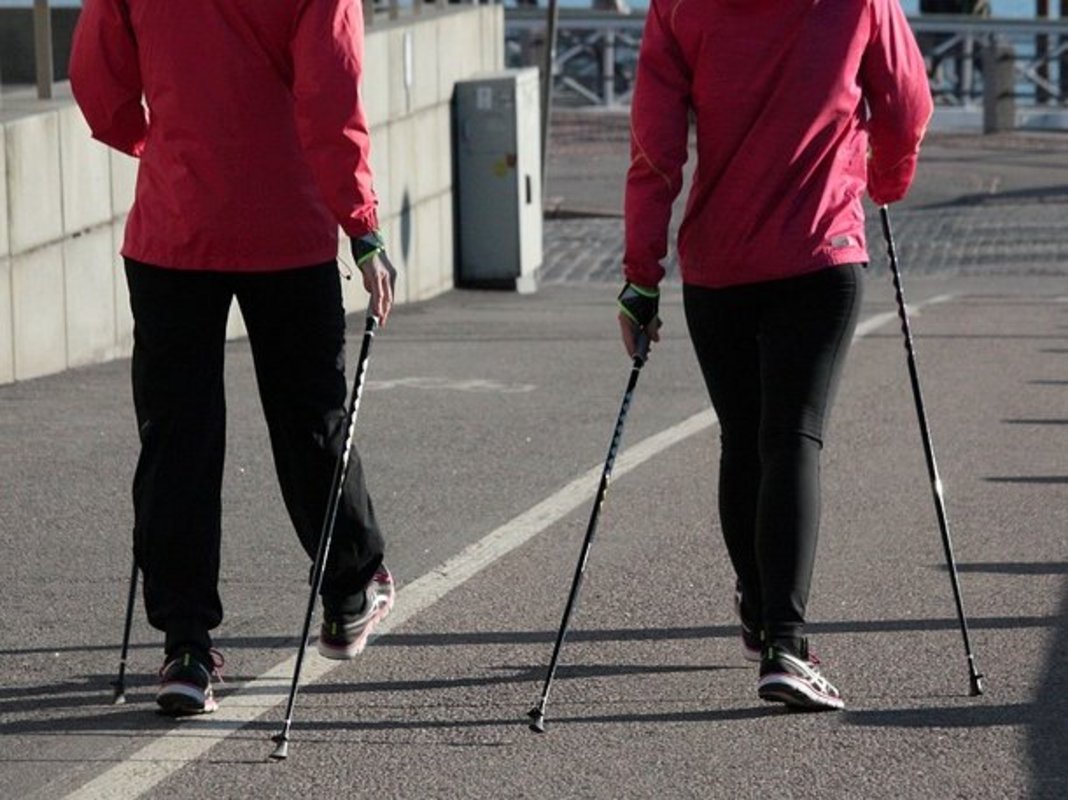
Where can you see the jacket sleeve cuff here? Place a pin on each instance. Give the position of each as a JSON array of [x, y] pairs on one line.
[[647, 276], [890, 185], [361, 224]]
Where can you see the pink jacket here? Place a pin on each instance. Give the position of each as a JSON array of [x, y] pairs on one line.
[[789, 97], [247, 118]]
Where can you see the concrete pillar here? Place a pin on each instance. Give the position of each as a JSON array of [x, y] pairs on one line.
[[999, 91]]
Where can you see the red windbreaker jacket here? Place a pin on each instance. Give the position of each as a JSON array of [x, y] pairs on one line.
[[788, 95], [247, 118]]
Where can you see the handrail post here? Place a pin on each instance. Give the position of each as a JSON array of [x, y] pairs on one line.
[[967, 78], [608, 67], [42, 47], [548, 69], [999, 93]]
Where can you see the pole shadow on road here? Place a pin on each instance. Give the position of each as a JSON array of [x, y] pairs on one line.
[[81, 704], [526, 674]]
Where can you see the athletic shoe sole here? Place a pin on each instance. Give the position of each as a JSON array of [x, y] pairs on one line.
[[383, 605], [796, 693], [183, 700]]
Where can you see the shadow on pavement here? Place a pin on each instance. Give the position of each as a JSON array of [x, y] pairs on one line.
[[1044, 194]]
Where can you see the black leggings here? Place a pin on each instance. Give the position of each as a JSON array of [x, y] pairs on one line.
[[296, 328], [771, 354]]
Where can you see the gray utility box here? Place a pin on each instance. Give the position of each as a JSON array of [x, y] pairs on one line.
[[498, 180]]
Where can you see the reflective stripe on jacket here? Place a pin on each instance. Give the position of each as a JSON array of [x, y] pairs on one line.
[[788, 95], [247, 120]]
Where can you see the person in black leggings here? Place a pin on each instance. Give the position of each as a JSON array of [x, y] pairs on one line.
[[771, 355], [799, 109]]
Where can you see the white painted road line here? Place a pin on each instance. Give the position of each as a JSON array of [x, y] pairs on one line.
[[165, 755], [450, 384]]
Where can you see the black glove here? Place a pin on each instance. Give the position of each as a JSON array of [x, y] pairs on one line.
[[367, 246], [639, 304]]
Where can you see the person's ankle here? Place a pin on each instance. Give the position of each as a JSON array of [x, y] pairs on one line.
[[346, 605]]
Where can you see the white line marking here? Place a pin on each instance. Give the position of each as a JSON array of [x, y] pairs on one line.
[[165, 755], [456, 385]]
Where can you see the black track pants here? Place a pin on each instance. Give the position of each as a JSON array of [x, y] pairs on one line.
[[296, 327], [771, 355]]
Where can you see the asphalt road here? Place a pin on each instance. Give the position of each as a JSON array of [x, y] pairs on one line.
[[486, 421]]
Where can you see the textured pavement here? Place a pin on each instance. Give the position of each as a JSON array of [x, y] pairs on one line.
[[991, 205]]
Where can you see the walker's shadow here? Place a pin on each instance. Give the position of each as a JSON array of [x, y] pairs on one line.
[[1043, 718], [94, 691], [223, 643], [1018, 567], [90, 691], [81, 705], [970, 716], [705, 632], [138, 713], [1035, 421], [520, 719], [526, 674], [1043, 194]]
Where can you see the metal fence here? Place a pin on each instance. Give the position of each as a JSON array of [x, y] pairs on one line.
[[374, 12], [596, 55], [596, 51]]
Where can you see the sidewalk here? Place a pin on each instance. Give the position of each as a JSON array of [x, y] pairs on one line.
[[981, 205], [483, 430]]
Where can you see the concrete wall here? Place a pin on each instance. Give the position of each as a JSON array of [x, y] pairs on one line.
[[64, 197]]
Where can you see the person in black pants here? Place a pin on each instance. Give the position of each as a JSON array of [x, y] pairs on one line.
[[296, 328], [800, 109], [771, 355], [254, 150]]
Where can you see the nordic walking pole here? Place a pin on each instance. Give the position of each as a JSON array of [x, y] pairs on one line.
[[336, 489], [120, 680], [928, 450], [537, 714]]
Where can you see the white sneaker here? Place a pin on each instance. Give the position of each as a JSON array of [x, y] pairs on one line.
[[344, 637], [794, 680]]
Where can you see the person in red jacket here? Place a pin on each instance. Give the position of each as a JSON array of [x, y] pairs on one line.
[[800, 106], [253, 145]]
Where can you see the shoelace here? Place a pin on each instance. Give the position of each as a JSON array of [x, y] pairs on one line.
[[217, 663]]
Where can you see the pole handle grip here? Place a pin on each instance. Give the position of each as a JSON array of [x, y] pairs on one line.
[[641, 349]]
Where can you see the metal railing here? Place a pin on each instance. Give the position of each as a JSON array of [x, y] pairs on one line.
[[597, 53], [373, 11], [954, 47]]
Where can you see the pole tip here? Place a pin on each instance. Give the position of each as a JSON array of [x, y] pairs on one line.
[[119, 697], [282, 751], [537, 720], [977, 685]]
